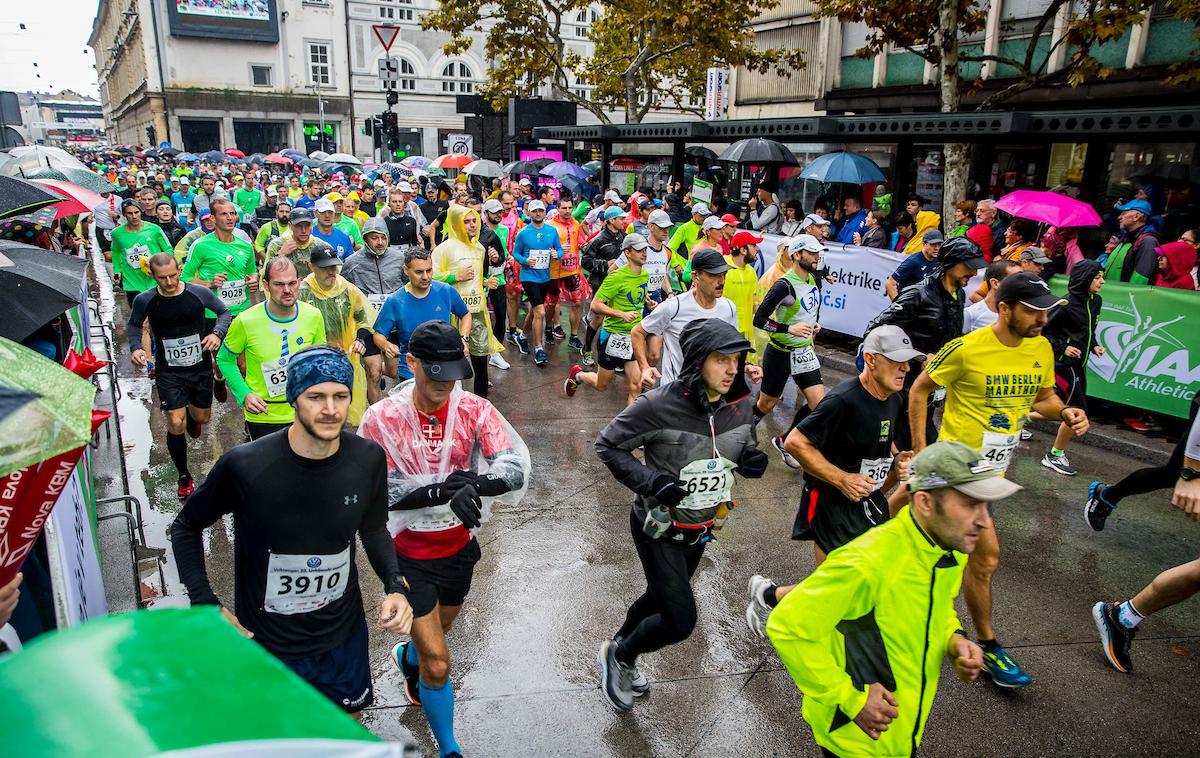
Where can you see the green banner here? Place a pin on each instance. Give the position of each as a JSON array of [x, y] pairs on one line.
[[1152, 347]]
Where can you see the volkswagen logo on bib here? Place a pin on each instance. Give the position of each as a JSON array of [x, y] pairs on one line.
[[712, 464], [313, 562]]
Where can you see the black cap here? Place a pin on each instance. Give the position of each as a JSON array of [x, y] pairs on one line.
[[1027, 289], [324, 257], [710, 261], [300, 216], [961, 250], [645, 203], [439, 348]]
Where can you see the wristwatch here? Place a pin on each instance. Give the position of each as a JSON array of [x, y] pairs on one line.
[[1188, 474]]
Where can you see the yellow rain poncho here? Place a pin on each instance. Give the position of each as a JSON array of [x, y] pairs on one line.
[[345, 310], [924, 221], [450, 259]]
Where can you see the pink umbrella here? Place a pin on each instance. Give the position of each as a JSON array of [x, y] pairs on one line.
[[234, 152], [1049, 208], [282, 160], [76, 199]]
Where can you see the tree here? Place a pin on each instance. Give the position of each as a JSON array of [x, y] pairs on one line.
[[646, 53], [1076, 29]]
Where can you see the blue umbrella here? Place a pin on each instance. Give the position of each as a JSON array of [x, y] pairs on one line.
[[577, 186], [187, 157], [843, 167], [560, 169]]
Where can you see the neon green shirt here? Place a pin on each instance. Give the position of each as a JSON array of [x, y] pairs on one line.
[[247, 202], [210, 256], [351, 229], [130, 248], [623, 290]]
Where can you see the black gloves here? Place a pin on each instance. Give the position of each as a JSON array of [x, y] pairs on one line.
[[752, 464], [466, 505], [668, 491], [486, 484]]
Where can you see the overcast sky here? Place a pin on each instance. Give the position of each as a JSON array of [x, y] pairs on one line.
[[55, 38]]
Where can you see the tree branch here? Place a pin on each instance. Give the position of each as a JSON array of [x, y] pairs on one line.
[[1048, 16]]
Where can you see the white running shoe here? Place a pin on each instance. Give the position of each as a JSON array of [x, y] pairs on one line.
[[499, 362], [758, 611]]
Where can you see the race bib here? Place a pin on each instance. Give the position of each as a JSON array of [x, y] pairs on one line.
[[377, 301], [438, 518], [619, 346], [656, 280], [133, 255], [709, 481], [938, 395], [877, 469], [275, 377], [569, 261], [804, 360], [474, 301], [539, 259], [232, 292], [998, 447], [182, 352], [304, 583]]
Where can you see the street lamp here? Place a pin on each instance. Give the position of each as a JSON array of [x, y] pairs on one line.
[[321, 109]]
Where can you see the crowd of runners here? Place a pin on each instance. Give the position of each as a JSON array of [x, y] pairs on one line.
[[355, 321]]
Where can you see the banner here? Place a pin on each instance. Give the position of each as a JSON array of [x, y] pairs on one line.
[[716, 94], [74, 562], [1151, 344]]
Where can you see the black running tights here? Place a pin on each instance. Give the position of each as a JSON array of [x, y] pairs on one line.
[[479, 365]]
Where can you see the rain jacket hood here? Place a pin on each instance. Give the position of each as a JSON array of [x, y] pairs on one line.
[[699, 338], [1074, 324], [924, 221], [455, 217], [1181, 259]]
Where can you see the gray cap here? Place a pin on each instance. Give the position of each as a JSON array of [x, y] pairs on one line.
[[1034, 254], [375, 225], [493, 206], [323, 205], [714, 222], [950, 463], [932, 237], [892, 343], [661, 219], [534, 205], [300, 216], [635, 241]]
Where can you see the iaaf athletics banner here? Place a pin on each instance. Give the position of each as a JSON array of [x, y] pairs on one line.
[[1151, 347]]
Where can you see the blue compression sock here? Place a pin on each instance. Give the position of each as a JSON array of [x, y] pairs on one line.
[[410, 654], [439, 711]]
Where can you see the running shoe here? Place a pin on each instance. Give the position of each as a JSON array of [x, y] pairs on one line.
[[549, 338], [522, 343], [412, 674], [616, 679], [1114, 638], [498, 361], [220, 391], [1059, 464], [640, 684], [1026, 435], [575, 343], [1141, 424], [185, 488], [512, 336], [788, 459], [758, 610], [1097, 509], [1003, 670], [150, 372], [194, 428], [572, 382], [539, 356], [559, 333], [587, 358], [619, 369]]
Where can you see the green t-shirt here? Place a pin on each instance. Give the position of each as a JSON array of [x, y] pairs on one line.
[[210, 256], [247, 201], [267, 344], [128, 248], [350, 227], [623, 290]]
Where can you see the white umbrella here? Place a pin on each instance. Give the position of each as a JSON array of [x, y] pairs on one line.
[[344, 158], [482, 168], [318, 155], [26, 159]]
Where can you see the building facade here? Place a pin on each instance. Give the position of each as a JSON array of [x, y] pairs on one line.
[[62, 119]]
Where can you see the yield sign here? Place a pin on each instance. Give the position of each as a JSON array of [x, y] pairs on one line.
[[386, 34]]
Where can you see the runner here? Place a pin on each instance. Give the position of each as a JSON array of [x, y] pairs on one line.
[[566, 279], [346, 224], [223, 263], [378, 271], [535, 245], [276, 227], [132, 245], [983, 313], [690, 232], [599, 259], [422, 299], [788, 314], [295, 578], [695, 433], [493, 235], [458, 261], [845, 447], [992, 377], [741, 282], [267, 335], [403, 217], [621, 300], [864, 636], [327, 231], [300, 244], [451, 457], [664, 265], [176, 311], [247, 198]]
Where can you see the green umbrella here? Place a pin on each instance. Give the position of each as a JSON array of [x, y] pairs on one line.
[[58, 420], [592, 167], [81, 176]]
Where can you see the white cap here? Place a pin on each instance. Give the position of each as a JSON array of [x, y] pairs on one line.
[[811, 219], [701, 209], [534, 205], [493, 206], [405, 187], [272, 192], [613, 196], [806, 242], [184, 180], [378, 183], [525, 182], [322, 205], [660, 218], [714, 222]]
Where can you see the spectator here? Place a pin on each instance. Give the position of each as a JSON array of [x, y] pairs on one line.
[[790, 226], [854, 223], [924, 221], [964, 217], [913, 269], [816, 226], [1020, 234], [983, 312], [821, 207], [882, 200], [1192, 237], [987, 216], [905, 229], [876, 234], [1062, 248], [915, 205], [1175, 263], [1032, 260], [1135, 258], [764, 210]]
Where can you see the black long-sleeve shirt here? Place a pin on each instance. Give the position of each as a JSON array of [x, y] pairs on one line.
[[294, 520]]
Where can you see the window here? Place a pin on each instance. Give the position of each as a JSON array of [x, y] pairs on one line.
[[408, 75], [396, 10], [456, 78], [261, 76], [320, 70]]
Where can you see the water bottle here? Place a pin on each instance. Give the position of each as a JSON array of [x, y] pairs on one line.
[[722, 513], [658, 521]]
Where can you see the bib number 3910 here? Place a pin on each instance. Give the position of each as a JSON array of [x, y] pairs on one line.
[[998, 448], [304, 583], [708, 481]]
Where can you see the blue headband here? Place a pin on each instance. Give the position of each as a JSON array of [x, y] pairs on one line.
[[314, 366]]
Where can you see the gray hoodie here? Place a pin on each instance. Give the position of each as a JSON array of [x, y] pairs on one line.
[[376, 274]]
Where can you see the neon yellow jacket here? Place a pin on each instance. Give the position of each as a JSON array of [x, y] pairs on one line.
[[879, 609]]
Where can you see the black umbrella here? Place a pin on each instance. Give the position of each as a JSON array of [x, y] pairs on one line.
[[698, 151], [312, 163], [18, 197], [529, 168], [255, 159], [1171, 173], [170, 152], [38, 287], [215, 156], [759, 152], [153, 153]]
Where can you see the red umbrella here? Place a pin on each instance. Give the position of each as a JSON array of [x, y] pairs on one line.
[[452, 161], [277, 158], [235, 152], [78, 199]]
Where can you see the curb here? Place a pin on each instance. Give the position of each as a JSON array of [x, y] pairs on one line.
[[1102, 436]]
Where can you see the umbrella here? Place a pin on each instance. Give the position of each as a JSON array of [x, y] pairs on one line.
[[152, 153], [345, 159], [416, 161], [318, 155], [26, 228], [32, 156], [293, 153], [559, 169], [216, 156], [18, 196], [1049, 208], [234, 152], [235, 160], [169, 152], [843, 167], [255, 159], [578, 186], [78, 199], [40, 286], [451, 160], [1171, 172], [80, 176], [187, 157], [278, 158], [757, 151], [312, 163], [592, 167], [699, 151], [58, 416], [529, 168], [482, 168]]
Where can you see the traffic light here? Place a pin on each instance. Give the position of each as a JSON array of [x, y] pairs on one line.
[[391, 123], [392, 97], [151, 135]]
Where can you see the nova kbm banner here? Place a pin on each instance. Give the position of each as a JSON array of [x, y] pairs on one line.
[[1152, 347]]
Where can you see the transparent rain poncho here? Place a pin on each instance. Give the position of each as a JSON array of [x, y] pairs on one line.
[[477, 438], [345, 310]]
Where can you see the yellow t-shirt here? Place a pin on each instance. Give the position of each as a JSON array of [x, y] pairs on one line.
[[990, 388]]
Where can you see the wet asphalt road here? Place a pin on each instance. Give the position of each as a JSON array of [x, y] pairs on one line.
[[559, 571]]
